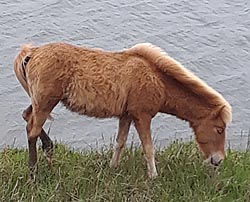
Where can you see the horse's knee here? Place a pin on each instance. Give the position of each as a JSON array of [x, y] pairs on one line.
[[33, 132], [26, 113], [25, 116], [35, 124], [33, 129]]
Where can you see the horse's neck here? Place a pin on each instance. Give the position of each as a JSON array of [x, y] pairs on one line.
[[183, 103]]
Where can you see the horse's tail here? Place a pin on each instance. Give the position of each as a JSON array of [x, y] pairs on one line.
[[176, 70], [20, 63]]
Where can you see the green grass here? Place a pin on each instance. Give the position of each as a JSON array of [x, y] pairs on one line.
[[86, 176]]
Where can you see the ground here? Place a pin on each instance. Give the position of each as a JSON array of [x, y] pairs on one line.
[[86, 176]]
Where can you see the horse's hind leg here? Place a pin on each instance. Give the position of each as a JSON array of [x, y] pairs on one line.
[[32, 156], [47, 144], [34, 126], [124, 124], [142, 125]]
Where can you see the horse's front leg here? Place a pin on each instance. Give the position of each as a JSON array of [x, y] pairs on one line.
[[124, 124], [142, 125]]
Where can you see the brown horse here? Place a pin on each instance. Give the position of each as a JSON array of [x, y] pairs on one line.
[[132, 85]]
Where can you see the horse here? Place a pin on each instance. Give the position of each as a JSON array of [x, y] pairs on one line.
[[132, 85]]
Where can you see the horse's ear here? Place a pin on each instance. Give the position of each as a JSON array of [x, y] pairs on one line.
[[218, 111]]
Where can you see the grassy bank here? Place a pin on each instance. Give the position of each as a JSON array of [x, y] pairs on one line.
[[87, 177]]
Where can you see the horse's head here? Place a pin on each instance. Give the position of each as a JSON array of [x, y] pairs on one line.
[[210, 136]]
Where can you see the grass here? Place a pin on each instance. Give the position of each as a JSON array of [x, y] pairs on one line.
[[86, 176]]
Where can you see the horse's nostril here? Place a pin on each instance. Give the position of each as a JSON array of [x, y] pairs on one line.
[[212, 160], [215, 162], [220, 161]]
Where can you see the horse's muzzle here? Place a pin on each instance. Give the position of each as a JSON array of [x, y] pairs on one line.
[[215, 162], [215, 159]]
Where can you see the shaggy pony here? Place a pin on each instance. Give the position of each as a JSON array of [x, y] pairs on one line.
[[132, 85]]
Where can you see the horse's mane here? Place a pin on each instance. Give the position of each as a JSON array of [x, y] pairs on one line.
[[175, 69]]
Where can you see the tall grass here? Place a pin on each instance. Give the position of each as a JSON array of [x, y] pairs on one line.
[[86, 176]]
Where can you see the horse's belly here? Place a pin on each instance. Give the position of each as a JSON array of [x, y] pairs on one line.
[[91, 101]]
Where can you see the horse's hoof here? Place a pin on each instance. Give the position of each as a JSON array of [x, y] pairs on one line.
[[113, 163], [152, 175], [49, 160], [31, 178], [48, 153]]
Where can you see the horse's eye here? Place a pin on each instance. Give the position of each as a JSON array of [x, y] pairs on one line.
[[220, 130], [202, 142]]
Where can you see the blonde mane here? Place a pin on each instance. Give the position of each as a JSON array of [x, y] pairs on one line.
[[172, 67]]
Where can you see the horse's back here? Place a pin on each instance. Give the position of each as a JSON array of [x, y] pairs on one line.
[[94, 82]]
